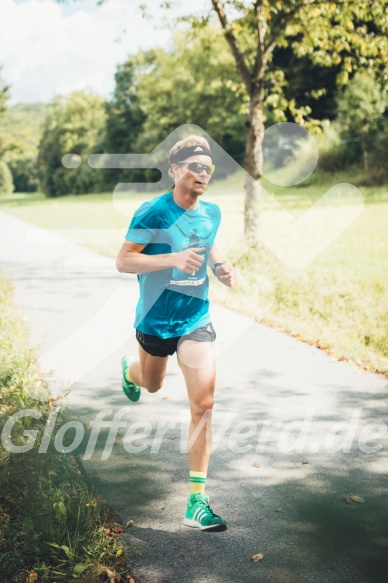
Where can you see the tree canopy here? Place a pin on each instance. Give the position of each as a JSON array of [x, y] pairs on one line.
[[73, 124], [349, 34], [239, 67], [194, 82], [4, 94]]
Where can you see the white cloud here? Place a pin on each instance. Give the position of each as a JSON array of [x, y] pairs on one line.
[[48, 49]]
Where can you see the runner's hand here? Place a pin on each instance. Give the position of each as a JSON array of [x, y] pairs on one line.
[[189, 261], [226, 275]]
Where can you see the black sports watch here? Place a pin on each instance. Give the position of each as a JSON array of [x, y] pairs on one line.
[[214, 267]]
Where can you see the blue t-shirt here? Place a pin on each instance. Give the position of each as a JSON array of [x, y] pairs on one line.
[[173, 303]]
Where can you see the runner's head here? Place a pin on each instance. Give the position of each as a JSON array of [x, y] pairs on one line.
[[191, 163]]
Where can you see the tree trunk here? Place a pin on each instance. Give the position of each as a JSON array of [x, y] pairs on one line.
[[254, 163], [364, 153]]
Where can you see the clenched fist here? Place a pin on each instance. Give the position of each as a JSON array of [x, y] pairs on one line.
[[189, 261], [226, 275]]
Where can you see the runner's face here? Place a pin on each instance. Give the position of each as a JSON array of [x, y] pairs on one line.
[[193, 182]]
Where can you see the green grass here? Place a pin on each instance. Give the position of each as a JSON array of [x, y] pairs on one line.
[[338, 302], [52, 526]]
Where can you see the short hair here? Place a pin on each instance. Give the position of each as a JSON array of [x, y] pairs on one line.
[[192, 140]]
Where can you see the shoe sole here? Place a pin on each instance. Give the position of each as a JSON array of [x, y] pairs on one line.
[[211, 528]]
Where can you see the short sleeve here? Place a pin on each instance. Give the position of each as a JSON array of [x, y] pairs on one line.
[[218, 215], [216, 218], [144, 224]]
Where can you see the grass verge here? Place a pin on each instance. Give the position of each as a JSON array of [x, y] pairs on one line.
[[52, 526]]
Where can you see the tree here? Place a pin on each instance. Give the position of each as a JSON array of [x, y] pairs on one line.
[[125, 120], [74, 124], [20, 133], [308, 84], [195, 81], [4, 94], [125, 117], [360, 113], [25, 173], [346, 33], [6, 182]]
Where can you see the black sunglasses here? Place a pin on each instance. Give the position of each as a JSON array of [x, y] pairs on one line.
[[197, 167]]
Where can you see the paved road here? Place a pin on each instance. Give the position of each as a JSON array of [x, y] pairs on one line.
[[80, 311]]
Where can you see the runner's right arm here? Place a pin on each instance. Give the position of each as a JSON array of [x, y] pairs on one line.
[[131, 259]]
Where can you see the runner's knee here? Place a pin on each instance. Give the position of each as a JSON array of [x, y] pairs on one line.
[[199, 408], [153, 386]]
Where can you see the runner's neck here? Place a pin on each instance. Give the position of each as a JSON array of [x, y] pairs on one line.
[[184, 199]]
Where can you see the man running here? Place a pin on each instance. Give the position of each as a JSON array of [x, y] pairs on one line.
[[169, 244]]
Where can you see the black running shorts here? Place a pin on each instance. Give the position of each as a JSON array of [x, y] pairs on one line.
[[163, 347]]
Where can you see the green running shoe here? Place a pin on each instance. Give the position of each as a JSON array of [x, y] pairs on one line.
[[200, 515], [131, 390]]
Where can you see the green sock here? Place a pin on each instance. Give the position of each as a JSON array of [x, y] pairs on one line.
[[197, 482]]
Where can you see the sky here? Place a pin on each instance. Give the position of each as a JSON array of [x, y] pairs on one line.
[[49, 48]]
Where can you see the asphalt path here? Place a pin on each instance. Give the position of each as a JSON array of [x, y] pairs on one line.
[[292, 428]]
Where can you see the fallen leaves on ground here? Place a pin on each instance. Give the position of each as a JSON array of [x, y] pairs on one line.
[[113, 530], [32, 577], [129, 523], [257, 558], [360, 364], [358, 499], [350, 498], [113, 577]]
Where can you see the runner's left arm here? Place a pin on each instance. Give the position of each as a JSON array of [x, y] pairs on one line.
[[224, 274], [214, 256]]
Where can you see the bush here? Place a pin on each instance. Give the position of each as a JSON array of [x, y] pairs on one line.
[[25, 174], [378, 172], [334, 156], [6, 181], [53, 528]]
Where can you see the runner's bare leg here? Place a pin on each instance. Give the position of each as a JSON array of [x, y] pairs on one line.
[[197, 361], [149, 372]]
